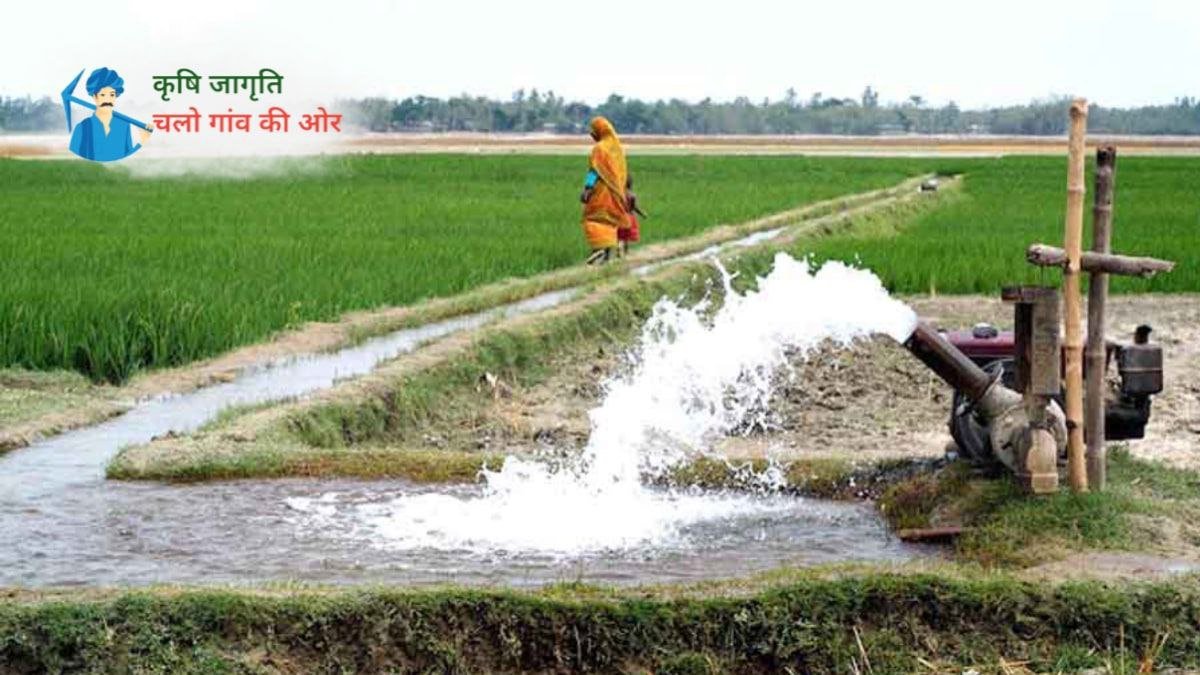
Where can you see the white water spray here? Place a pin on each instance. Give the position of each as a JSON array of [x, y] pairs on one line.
[[695, 379]]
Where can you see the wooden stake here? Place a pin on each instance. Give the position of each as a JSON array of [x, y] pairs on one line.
[[1093, 419], [931, 533], [1073, 344]]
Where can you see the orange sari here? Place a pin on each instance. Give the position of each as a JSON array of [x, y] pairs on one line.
[[605, 211]]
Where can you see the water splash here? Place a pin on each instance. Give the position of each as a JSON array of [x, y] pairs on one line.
[[695, 378]]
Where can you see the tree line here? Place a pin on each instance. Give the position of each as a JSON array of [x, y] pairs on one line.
[[535, 111]]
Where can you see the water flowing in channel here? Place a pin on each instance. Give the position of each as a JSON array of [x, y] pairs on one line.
[[697, 375]]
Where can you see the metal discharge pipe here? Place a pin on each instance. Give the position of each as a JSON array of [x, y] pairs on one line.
[[948, 362]]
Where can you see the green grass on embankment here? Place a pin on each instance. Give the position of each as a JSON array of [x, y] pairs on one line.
[[819, 623], [26, 396], [107, 273], [1147, 507], [977, 244]]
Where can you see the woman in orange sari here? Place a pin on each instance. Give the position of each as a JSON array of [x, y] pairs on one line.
[[604, 208]]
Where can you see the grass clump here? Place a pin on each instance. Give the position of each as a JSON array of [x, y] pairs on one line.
[[824, 478], [282, 461], [1005, 527]]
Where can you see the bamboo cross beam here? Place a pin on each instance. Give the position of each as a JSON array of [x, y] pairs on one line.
[[1091, 261], [1073, 344]]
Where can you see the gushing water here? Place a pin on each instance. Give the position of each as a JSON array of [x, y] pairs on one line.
[[697, 375]]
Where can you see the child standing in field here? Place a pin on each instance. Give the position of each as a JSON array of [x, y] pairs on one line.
[[631, 233]]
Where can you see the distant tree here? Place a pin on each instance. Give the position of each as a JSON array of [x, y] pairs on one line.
[[373, 114], [870, 98], [26, 114], [536, 110]]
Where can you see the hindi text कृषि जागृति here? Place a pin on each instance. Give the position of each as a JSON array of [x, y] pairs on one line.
[[267, 81]]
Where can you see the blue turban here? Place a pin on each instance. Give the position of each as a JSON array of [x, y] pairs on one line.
[[103, 77]]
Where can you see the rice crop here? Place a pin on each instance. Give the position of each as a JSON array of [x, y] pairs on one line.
[[976, 243], [108, 273]]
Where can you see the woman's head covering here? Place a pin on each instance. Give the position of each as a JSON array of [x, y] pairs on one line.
[[608, 157], [600, 126]]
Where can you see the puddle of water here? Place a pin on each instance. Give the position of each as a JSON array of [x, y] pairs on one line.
[[255, 531]]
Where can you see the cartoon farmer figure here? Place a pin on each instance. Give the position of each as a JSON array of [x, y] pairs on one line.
[[107, 135]]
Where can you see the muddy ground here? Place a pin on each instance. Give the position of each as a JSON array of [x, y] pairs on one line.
[[871, 401]]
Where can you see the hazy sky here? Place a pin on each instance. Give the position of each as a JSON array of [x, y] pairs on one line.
[[975, 53]]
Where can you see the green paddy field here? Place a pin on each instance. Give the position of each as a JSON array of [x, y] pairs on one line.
[[108, 274]]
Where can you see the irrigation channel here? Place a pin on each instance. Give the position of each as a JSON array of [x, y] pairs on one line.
[[592, 518]]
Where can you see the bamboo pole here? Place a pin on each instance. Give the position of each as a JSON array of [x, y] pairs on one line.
[[1093, 417], [1073, 344]]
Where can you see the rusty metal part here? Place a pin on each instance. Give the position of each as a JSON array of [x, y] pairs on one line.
[[1027, 433], [1036, 345], [1025, 440], [948, 362]]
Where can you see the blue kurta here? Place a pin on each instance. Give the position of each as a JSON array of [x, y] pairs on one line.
[[90, 142]]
